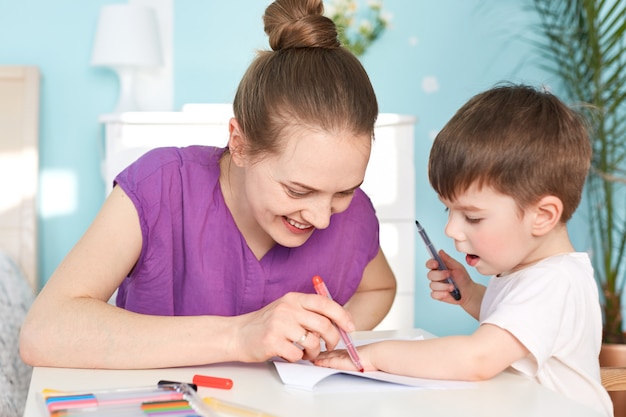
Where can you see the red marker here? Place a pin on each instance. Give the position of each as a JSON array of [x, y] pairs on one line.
[[321, 289], [212, 382]]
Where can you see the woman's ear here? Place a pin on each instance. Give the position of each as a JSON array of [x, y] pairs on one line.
[[548, 212], [236, 142]]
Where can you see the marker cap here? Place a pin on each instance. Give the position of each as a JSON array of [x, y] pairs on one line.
[[212, 382]]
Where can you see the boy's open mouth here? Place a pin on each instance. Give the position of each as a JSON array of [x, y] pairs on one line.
[[472, 260]]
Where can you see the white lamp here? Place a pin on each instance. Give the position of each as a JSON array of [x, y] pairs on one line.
[[126, 39]]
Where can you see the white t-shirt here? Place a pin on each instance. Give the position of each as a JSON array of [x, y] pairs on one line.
[[553, 309]]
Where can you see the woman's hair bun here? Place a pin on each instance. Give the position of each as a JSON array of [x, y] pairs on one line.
[[299, 24]]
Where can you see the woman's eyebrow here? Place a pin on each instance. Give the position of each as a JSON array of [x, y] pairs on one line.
[[308, 187]]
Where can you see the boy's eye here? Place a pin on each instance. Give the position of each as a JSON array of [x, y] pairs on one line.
[[472, 220]]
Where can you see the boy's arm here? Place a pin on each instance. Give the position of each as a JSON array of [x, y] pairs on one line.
[[473, 300], [482, 355]]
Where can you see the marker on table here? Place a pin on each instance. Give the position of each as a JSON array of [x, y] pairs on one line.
[[174, 408], [321, 289], [212, 382], [456, 294], [165, 383], [70, 401], [169, 398]]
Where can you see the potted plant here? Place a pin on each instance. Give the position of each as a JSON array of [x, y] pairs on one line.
[[358, 28], [584, 45]]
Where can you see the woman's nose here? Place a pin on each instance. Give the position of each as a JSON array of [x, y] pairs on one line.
[[318, 213]]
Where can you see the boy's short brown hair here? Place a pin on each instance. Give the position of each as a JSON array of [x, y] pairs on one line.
[[522, 142]]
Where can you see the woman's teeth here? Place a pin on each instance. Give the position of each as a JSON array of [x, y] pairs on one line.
[[296, 224]]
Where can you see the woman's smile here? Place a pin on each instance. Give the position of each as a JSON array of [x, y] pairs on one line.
[[296, 227]]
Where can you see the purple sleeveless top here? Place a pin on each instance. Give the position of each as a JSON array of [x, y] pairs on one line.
[[194, 260]]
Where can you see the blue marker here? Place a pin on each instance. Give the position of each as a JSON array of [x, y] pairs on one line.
[[433, 253]]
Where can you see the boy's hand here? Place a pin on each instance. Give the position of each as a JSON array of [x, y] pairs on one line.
[[340, 359], [440, 288], [471, 292]]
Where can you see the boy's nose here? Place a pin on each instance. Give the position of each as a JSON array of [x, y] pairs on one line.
[[453, 231]]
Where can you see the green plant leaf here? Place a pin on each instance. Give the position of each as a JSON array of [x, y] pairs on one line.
[[583, 43]]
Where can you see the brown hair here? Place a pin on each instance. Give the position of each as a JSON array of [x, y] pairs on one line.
[[307, 79], [522, 142]]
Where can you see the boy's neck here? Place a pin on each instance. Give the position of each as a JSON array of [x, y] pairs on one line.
[[556, 242]]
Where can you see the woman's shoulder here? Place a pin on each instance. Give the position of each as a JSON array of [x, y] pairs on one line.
[[362, 199], [360, 216], [200, 154], [170, 165], [173, 159], [361, 204]]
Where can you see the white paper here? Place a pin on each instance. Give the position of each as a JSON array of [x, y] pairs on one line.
[[304, 375]]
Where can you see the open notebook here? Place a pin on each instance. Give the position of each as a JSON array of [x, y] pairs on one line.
[[304, 375]]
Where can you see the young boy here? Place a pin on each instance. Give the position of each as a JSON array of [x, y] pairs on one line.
[[510, 168]]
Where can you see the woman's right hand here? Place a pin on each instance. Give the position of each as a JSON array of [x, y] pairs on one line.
[[291, 328]]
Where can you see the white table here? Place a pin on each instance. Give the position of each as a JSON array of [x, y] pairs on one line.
[[258, 386]]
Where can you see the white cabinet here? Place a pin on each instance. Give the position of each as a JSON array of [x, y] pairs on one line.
[[129, 135], [389, 180], [390, 183]]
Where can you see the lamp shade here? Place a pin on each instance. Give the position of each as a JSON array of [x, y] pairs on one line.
[[126, 36]]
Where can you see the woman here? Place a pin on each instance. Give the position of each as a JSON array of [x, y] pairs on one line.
[[213, 250]]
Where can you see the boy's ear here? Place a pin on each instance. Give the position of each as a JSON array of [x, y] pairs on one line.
[[548, 213], [236, 142]]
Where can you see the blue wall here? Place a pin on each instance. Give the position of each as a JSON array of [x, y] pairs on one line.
[[465, 45], [56, 36]]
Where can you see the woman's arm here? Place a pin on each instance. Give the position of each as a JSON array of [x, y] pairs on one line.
[[71, 324], [374, 296]]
